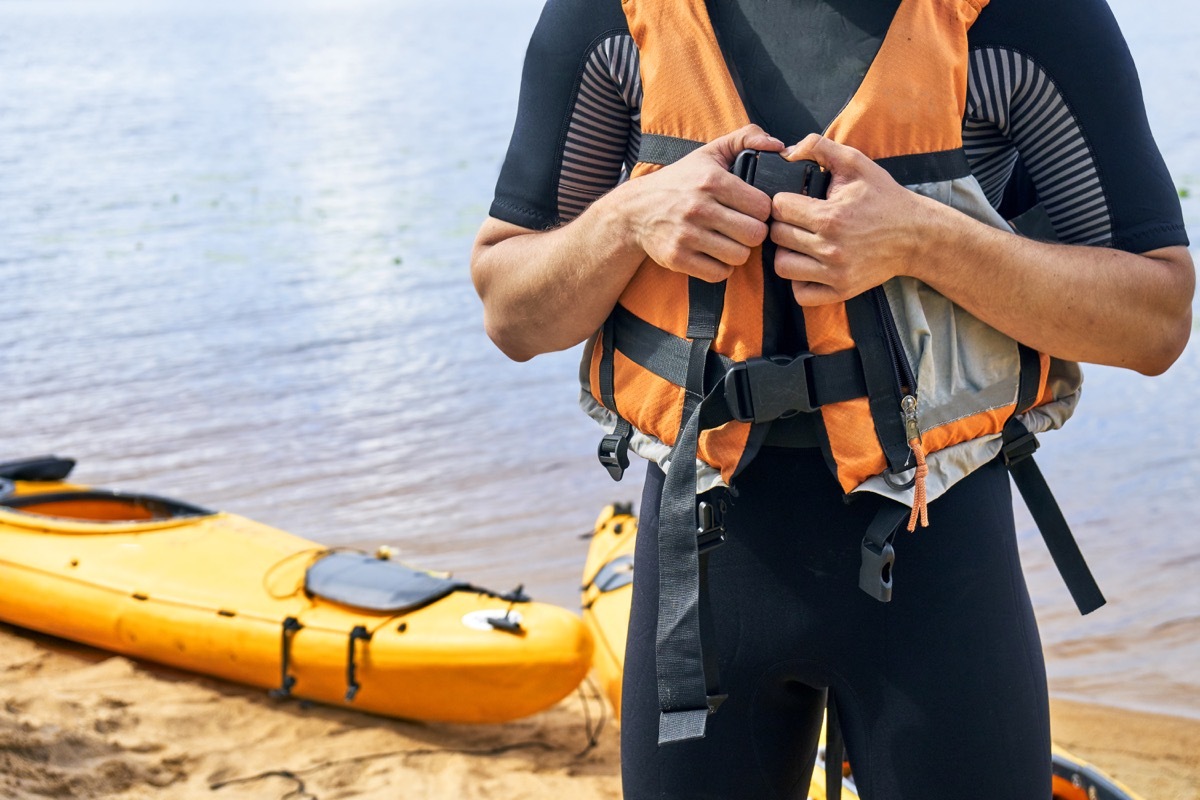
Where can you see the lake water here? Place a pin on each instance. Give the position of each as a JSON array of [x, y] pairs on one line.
[[234, 240]]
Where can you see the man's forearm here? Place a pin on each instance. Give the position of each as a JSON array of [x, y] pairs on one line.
[[1075, 302], [1089, 304], [545, 291], [549, 290]]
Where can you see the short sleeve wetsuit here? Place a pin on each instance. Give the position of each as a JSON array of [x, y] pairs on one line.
[[942, 692]]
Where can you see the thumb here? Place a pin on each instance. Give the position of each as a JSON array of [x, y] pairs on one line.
[[750, 137], [833, 156]]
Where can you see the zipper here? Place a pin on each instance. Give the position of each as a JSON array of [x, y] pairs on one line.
[[906, 381]]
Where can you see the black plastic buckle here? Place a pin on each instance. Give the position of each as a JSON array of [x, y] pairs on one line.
[[766, 389], [613, 453], [875, 573], [1019, 449], [780, 175], [710, 528]]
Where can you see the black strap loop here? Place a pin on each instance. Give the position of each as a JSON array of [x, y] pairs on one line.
[[357, 634], [288, 630], [1018, 448]]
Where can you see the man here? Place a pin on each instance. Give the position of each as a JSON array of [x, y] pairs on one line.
[[950, 671]]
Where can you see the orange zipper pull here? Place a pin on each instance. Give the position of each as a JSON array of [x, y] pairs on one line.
[[920, 504]]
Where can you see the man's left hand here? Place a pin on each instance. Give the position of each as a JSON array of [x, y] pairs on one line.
[[867, 231]]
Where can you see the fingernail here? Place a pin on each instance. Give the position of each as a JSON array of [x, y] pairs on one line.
[[787, 151], [773, 140]]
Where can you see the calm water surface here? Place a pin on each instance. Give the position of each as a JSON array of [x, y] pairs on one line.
[[234, 241]]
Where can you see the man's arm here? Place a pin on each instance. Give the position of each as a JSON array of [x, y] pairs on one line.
[[549, 290], [1090, 304]]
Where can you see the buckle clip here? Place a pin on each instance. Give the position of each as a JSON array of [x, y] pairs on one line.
[[1019, 449], [710, 528], [766, 389], [875, 572], [613, 453]]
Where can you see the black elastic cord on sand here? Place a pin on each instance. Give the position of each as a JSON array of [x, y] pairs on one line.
[[593, 734], [301, 792]]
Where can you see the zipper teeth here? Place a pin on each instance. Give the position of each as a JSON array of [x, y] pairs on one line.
[[903, 370]]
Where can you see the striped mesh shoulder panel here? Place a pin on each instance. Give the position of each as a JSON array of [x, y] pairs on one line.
[[1014, 108], [604, 132]]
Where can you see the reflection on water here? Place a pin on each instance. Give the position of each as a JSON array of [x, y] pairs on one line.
[[234, 242]]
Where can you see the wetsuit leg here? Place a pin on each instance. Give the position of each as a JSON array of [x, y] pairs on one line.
[[762, 741], [941, 692], [955, 703]]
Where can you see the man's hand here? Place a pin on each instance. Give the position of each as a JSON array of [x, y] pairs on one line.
[[694, 216], [866, 232]]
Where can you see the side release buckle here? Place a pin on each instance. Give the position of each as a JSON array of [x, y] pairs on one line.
[[613, 453], [767, 389], [1019, 449], [875, 571], [710, 528]]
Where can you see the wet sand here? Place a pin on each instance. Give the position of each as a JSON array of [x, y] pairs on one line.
[[78, 722]]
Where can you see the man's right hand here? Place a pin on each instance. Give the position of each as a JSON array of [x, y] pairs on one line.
[[694, 216]]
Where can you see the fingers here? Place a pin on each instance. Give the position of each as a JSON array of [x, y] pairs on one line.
[[831, 155], [700, 265], [813, 282], [750, 137]]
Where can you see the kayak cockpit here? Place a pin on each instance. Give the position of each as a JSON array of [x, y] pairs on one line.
[[98, 510]]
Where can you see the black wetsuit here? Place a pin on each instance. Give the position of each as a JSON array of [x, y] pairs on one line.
[[942, 692]]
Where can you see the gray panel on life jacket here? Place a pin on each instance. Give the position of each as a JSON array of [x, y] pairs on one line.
[[374, 584]]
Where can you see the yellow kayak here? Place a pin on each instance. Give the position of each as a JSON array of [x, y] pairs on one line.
[[608, 592], [222, 595]]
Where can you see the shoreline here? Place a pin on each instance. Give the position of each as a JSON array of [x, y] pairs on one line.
[[80, 722]]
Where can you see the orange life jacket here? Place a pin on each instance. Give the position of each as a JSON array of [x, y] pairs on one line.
[[970, 379]]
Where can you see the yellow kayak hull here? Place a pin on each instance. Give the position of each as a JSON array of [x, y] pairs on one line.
[[211, 593], [606, 614]]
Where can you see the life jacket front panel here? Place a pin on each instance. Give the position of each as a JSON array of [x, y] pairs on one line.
[[910, 105]]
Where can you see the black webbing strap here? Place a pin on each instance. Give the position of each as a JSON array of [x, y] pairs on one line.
[[835, 750], [1018, 449], [686, 679], [906, 170], [663, 150], [1028, 377], [945, 165], [757, 386], [613, 450]]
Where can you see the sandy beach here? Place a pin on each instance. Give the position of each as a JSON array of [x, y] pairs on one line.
[[80, 723]]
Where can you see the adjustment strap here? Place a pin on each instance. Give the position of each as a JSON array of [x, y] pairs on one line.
[[805, 382], [687, 679], [654, 349], [1019, 445]]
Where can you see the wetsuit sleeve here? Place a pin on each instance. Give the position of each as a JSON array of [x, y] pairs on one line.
[[571, 107], [1056, 83]]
